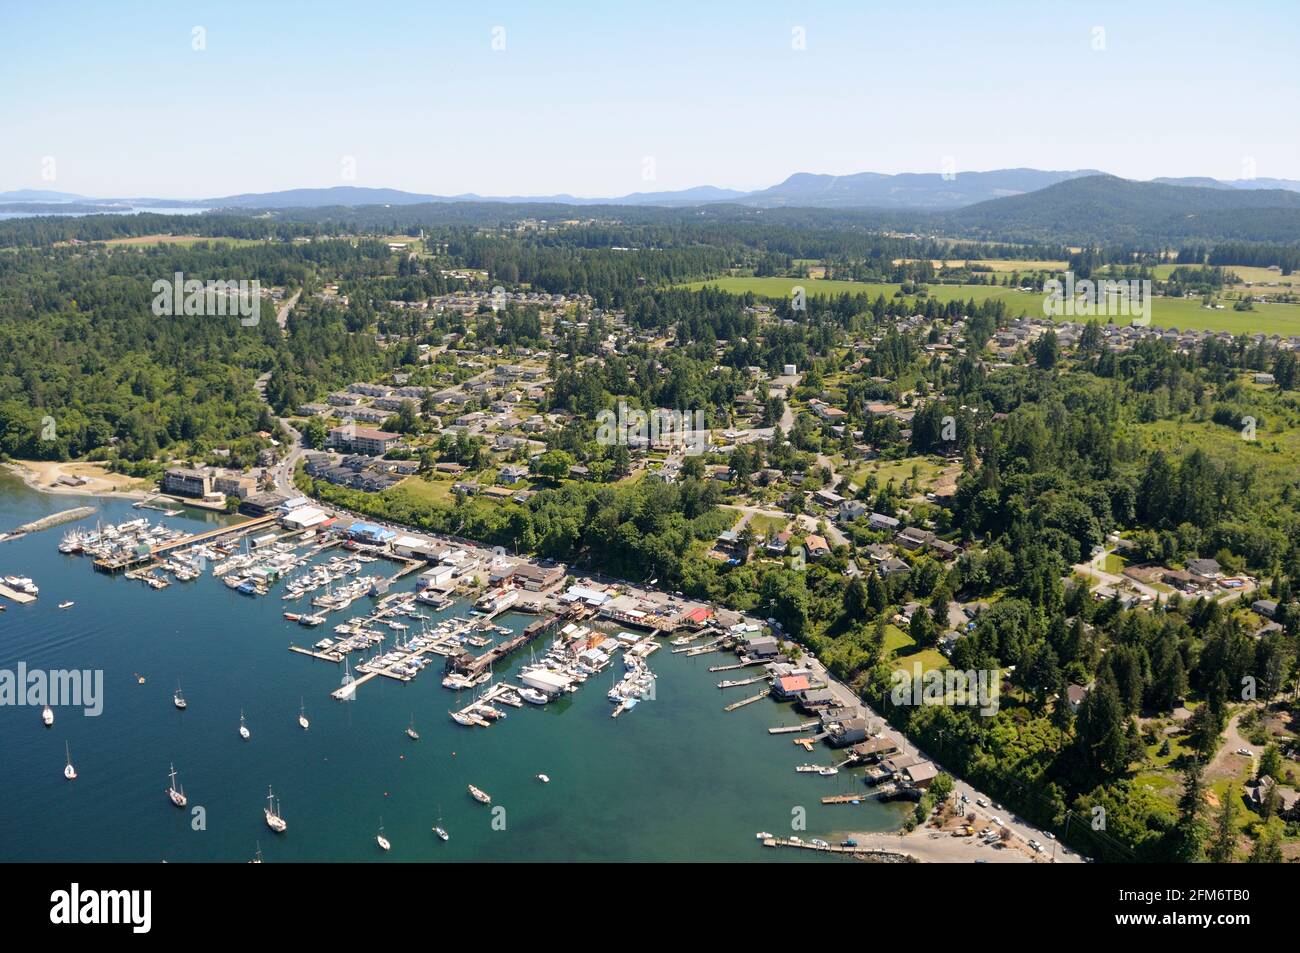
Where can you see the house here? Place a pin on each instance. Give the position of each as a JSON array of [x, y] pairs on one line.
[[512, 473], [1074, 696], [761, 647], [816, 546], [1205, 568], [847, 732], [1265, 607], [892, 567], [1257, 794], [778, 544], [783, 689], [919, 775], [812, 700], [879, 521], [851, 510]]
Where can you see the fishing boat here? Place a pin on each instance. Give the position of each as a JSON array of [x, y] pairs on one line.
[[272, 811], [243, 728], [411, 732], [176, 794], [302, 715], [66, 605], [381, 840], [69, 772], [178, 699], [480, 795], [47, 716], [544, 779]]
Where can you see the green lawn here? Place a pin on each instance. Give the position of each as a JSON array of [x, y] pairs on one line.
[[1181, 313]]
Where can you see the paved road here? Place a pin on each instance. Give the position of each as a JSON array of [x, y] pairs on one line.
[[282, 473]]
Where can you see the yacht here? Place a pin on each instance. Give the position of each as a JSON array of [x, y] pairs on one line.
[[66, 605], [22, 584], [178, 699], [533, 696], [47, 716], [177, 795], [381, 840], [411, 732], [272, 811], [69, 772], [302, 715], [480, 795], [243, 728], [461, 718]]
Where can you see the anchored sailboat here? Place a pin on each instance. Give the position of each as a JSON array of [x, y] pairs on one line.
[[273, 818], [381, 840], [177, 795], [411, 732], [243, 728], [47, 716], [69, 772], [302, 715], [438, 828], [178, 699]]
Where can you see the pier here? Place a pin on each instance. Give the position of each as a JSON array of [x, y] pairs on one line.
[[862, 853], [790, 729], [748, 701]]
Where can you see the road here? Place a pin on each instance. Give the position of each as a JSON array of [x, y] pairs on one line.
[[282, 472]]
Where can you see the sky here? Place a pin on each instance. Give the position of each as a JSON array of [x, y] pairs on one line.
[[204, 99]]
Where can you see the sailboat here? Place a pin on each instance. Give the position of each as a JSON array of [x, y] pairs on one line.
[[438, 828], [177, 795], [178, 699], [273, 818], [480, 795], [69, 772], [243, 728], [349, 689], [257, 856], [47, 716], [411, 732], [381, 840], [302, 715]]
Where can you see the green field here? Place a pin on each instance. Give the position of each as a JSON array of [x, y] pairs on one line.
[[1181, 313]]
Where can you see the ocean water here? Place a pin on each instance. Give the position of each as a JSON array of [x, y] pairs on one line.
[[675, 779]]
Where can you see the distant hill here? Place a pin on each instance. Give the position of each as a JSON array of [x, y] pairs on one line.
[[347, 195], [1103, 208], [1290, 185], [39, 195], [907, 190]]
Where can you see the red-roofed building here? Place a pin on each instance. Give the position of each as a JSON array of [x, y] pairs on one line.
[[791, 685], [697, 618]]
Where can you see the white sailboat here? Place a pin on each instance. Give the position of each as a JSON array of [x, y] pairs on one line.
[[411, 732], [178, 699], [381, 840], [47, 716], [302, 715], [438, 828], [177, 795], [243, 728], [349, 689], [257, 857], [272, 811], [69, 772]]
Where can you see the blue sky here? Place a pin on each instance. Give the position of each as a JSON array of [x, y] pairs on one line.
[[284, 94]]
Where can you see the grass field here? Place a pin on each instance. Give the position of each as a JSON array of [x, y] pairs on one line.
[[1181, 313], [150, 240]]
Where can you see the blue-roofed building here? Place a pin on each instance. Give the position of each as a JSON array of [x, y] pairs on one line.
[[371, 533]]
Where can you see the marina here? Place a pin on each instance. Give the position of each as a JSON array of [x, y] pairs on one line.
[[227, 649]]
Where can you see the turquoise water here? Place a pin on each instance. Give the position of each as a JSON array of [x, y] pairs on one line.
[[674, 779]]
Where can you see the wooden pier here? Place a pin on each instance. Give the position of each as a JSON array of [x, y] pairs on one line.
[[790, 729], [732, 668], [862, 853], [748, 701], [743, 681]]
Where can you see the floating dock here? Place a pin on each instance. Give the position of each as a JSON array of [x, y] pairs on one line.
[[790, 729], [748, 701]]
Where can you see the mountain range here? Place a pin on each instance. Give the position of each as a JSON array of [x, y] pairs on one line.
[[907, 191]]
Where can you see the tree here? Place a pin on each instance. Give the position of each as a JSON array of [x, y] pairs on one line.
[[1189, 835], [1224, 847], [554, 465]]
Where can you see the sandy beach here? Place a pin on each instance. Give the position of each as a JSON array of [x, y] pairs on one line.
[[44, 475]]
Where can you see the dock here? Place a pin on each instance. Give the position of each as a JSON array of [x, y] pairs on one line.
[[873, 853], [845, 799], [790, 729], [21, 598], [748, 701], [743, 681]]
